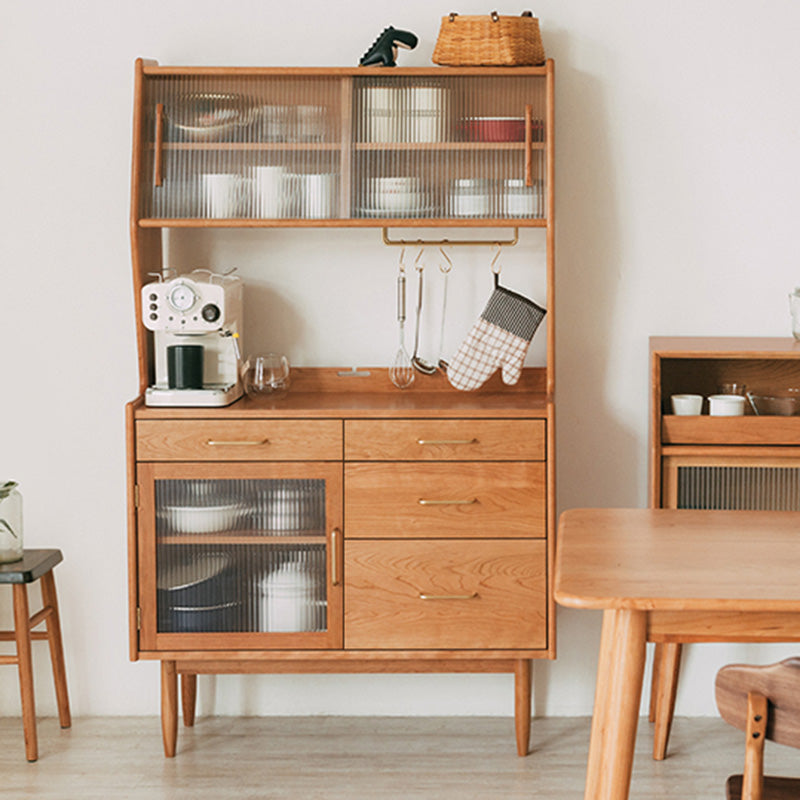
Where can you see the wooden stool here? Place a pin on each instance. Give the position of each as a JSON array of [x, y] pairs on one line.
[[35, 564]]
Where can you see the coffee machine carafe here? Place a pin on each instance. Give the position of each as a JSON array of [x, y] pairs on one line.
[[200, 310]]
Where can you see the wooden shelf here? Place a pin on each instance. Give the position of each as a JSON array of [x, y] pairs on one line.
[[241, 537], [342, 222], [747, 430]]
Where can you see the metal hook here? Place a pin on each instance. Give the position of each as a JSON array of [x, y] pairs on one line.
[[402, 263], [496, 269], [442, 268], [494, 260], [416, 260]]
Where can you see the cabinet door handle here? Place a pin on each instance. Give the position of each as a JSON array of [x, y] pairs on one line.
[[447, 441], [335, 556], [240, 443], [470, 596], [158, 169], [528, 145], [424, 502]]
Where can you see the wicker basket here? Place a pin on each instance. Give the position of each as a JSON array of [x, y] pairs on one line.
[[489, 40]]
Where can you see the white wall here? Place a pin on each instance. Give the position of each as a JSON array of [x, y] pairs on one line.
[[677, 186]]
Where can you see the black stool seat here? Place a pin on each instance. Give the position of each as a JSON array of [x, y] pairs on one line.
[[31, 567]]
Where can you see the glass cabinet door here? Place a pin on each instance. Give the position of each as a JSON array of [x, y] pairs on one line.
[[379, 145], [449, 147], [237, 556], [737, 483], [234, 147]]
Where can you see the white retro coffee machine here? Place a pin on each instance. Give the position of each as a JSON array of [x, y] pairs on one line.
[[202, 309]]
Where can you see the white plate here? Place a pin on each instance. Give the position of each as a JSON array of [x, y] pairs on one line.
[[385, 212]]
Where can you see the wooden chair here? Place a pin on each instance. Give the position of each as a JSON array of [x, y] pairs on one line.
[[763, 701], [34, 565]]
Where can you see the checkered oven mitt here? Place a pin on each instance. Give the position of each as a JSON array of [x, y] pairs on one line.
[[500, 338]]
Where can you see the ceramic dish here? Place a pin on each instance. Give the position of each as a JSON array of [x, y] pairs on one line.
[[201, 519]]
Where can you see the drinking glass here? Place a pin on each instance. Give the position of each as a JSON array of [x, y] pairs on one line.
[[266, 374]]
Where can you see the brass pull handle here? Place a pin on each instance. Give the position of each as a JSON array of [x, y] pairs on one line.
[[529, 145], [447, 441], [240, 443], [158, 169], [470, 596], [470, 502], [335, 556]]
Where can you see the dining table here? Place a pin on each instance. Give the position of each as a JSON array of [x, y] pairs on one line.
[[669, 575]]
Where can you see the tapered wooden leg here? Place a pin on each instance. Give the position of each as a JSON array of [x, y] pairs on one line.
[[665, 691], [619, 692], [169, 707], [654, 681], [188, 697], [600, 711], [25, 665], [522, 705], [53, 626]]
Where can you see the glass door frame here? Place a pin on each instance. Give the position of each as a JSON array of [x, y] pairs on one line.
[[150, 472]]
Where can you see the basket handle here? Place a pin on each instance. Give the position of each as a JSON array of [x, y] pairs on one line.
[[494, 15]]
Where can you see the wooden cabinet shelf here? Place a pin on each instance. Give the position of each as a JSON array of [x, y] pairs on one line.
[[254, 538], [746, 430]]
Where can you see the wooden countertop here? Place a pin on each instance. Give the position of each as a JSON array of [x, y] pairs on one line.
[[325, 392]]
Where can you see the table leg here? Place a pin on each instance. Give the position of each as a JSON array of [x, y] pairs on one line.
[[665, 692], [169, 707], [53, 625], [188, 697], [22, 634], [522, 705], [619, 690]]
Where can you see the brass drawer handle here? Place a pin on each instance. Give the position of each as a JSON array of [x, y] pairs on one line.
[[335, 556], [447, 441], [223, 443], [424, 502], [471, 596]]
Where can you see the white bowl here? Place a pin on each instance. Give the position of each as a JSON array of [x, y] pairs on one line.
[[201, 519]]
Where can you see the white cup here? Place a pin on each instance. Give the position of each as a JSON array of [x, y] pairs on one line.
[[687, 405], [315, 193], [222, 194], [268, 192], [726, 405]]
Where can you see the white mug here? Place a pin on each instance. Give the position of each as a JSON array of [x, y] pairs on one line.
[[313, 195], [268, 188], [222, 194], [726, 405], [687, 405]]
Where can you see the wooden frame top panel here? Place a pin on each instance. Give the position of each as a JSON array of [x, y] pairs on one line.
[[724, 347], [153, 69]]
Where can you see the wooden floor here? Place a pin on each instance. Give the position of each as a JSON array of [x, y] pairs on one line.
[[355, 758]]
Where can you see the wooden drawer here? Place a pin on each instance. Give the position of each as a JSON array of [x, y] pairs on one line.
[[445, 440], [238, 440], [480, 500], [445, 594]]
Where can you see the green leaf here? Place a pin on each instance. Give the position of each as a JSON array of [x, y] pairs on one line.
[[5, 525]]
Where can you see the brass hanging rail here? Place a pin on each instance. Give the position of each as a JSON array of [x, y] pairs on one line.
[[449, 242]]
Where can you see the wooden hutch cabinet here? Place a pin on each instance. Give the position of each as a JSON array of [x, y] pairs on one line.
[[748, 462], [348, 526]]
